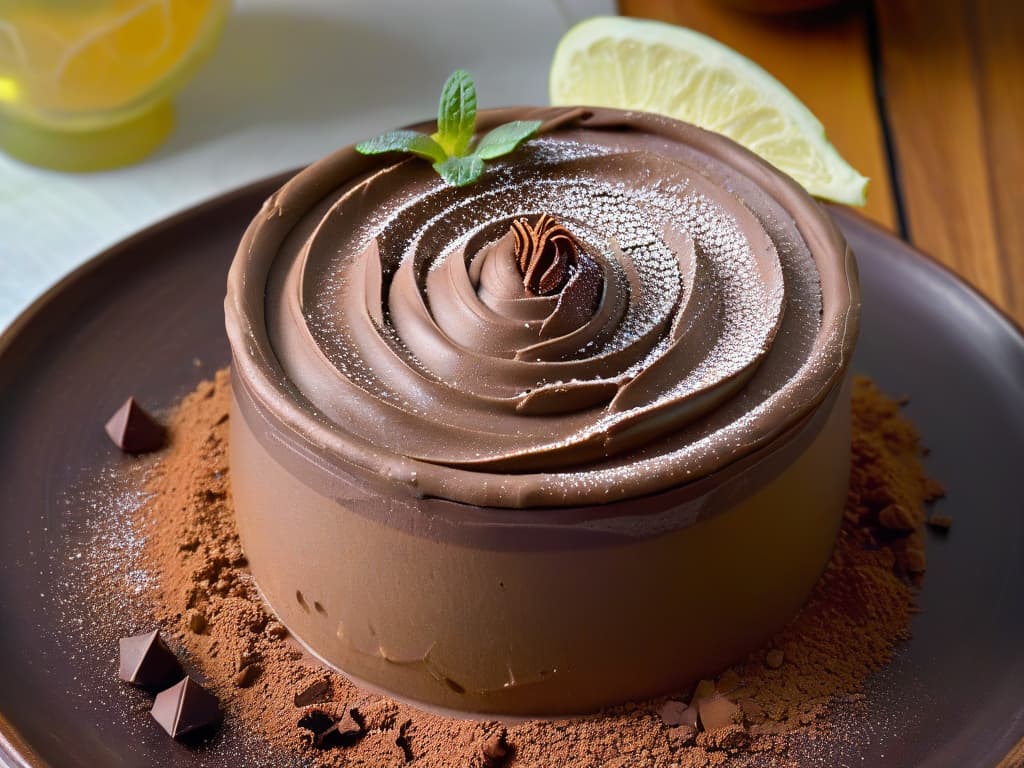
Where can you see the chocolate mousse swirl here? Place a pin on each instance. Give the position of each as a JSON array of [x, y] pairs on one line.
[[623, 305]]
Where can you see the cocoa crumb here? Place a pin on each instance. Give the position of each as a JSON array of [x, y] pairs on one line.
[[774, 658], [275, 630], [494, 749], [380, 714], [247, 675], [682, 736], [754, 714], [730, 737], [940, 522], [674, 713], [913, 560], [196, 621], [895, 517]]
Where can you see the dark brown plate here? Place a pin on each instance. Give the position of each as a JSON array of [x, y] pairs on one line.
[[145, 318]]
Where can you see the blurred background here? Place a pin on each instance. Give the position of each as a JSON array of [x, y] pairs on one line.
[[149, 106]]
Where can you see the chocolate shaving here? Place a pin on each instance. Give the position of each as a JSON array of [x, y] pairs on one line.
[[546, 253]]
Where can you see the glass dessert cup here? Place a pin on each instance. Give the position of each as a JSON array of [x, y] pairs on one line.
[[565, 573]]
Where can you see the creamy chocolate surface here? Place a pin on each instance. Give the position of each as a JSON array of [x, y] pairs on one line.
[[702, 306]]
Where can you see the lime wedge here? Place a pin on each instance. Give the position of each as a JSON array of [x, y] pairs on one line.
[[612, 61]]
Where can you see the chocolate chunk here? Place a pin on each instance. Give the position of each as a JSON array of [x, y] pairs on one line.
[[185, 708], [147, 662], [718, 712], [133, 430], [312, 693], [674, 713], [704, 689]]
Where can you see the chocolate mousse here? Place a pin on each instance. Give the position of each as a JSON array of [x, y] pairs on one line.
[[516, 447]]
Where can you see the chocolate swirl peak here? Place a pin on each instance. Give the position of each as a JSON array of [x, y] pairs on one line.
[[625, 304], [546, 253]]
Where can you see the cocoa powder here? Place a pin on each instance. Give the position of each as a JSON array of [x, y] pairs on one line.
[[755, 713]]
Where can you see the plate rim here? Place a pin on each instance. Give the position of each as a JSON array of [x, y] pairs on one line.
[[911, 251], [99, 260], [10, 333], [15, 752]]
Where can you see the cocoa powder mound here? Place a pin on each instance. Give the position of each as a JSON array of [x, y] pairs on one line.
[[755, 713]]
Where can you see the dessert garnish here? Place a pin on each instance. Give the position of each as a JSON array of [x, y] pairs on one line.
[[546, 253], [616, 61], [185, 708], [134, 430], [451, 148], [147, 662]]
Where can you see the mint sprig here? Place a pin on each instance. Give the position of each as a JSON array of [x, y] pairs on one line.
[[451, 148], [456, 114]]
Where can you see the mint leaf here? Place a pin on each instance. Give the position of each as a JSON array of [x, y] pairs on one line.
[[403, 141], [456, 113], [449, 148], [459, 171], [505, 138]]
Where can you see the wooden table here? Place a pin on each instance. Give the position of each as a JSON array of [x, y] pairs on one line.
[[926, 97]]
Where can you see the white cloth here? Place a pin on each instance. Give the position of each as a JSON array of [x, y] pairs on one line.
[[290, 81]]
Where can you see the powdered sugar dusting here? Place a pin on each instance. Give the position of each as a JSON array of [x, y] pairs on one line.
[[609, 213]]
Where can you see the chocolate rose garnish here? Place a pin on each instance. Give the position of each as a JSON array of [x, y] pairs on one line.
[[615, 310], [546, 253]]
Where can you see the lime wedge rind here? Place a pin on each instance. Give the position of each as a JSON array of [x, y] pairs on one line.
[[613, 61]]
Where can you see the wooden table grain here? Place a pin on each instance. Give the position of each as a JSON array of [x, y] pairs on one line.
[[926, 97]]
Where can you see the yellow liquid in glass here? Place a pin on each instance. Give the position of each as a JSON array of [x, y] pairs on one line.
[[86, 84], [80, 60]]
